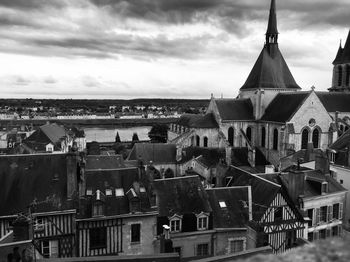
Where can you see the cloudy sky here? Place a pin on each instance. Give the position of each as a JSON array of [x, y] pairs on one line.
[[159, 48]]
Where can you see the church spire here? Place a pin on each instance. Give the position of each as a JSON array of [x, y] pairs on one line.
[[272, 32]]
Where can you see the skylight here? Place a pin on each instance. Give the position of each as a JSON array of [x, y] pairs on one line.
[[119, 192], [222, 204]]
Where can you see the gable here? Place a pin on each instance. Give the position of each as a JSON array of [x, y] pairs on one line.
[[312, 107]]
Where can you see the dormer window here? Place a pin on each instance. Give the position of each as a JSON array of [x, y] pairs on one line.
[[142, 190], [175, 223], [97, 209], [202, 221], [89, 192], [108, 192], [324, 188], [119, 192]]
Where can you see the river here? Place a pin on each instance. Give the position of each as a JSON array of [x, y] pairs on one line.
[[108, 134]]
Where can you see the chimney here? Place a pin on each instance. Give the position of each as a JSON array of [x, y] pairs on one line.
[[72, 174], [322, 163], [294, 182]]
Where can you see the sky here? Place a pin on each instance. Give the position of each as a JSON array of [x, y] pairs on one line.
[[159, 48]]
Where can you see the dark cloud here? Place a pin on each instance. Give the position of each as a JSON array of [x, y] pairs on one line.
[[32, 4]]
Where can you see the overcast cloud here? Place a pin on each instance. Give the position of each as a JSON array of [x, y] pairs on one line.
[[159, 48]]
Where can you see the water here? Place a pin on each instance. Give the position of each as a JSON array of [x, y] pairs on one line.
[[108, 134]]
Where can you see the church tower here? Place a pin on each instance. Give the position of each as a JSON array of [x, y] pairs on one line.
[[270, 74], [341, 69]]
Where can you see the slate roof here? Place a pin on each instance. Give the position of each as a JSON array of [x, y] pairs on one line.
[[343, 55], [272, 25], [270, 71], [158, 153], [94, 162], [342, 142], [335, 101], [235, 109], [198, 121], [126, 178], [207, 156], [283, 106], [25, 178], [263, 190], [54, 132], [236, 212], [181, 195]]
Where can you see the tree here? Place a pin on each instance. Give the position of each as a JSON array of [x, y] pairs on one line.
[[117, 138], [158, 133]]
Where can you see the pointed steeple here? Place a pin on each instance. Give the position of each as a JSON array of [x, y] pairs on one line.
[[346, 51], [338, 57], [272, 32]]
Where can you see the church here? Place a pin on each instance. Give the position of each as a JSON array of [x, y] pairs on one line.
[[271, 112]]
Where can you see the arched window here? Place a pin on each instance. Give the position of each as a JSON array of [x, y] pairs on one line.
[[192, 141], [197, 140], [316, 138], [348, 75], [263, 136], [205, 141], [275, 139], [304, 138], [340, 75], [231, 135], [249, 133]]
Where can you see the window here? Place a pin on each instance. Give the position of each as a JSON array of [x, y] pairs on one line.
[[205, 141], [142, 189], [49, 248], [340, 76], [275, 139], [263, 136], [310, 214], [341, 181], [249, 133], [310, 236], [89, 192], [335, 231], [175, 225], [108, 192], [202, 249], [222, 204], [324, 188], [304, 138], [322, 234], [347, 80], [97, 209], [45, 248], [135, 233], [278, 213], [202, 222], [197, 141], [231, 134], [316, 138], [338, 211], [236, 245], [98, 237], [323, 214]]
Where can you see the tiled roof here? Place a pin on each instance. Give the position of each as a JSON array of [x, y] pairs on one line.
[[158, 153], [25, 178], [181, 195], [270, 71], [263, 190], [235, 109], [198, 121], [207, 156], [335, 101], [283, 106], [236, 213], [104, 162], [342, 142]]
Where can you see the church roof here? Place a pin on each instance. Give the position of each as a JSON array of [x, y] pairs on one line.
[[235, 109], [198, 121], [334, 101], [283, 106], [158, 153], [272, 25], [343, 55], [270, 71]]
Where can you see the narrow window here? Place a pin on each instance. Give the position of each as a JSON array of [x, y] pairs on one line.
[[202, 249], [197, 141], [348, 75], [263, 136], [175, 225], [202, 223], [205, 141], [275, 139], [278, 213], [316, 138], [340, 75], [304, 138], [231, 134], [135, 233], [249, 133]]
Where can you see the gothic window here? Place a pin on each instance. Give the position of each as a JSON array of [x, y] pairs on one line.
[[249, 133], [231, 134], [340, 75], [304, 138], [263, 136], [197, 140], [275, 139], [348, 75], [316, 138], [205, 141]]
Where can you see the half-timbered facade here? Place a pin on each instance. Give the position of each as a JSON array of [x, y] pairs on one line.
[[278, 223]]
